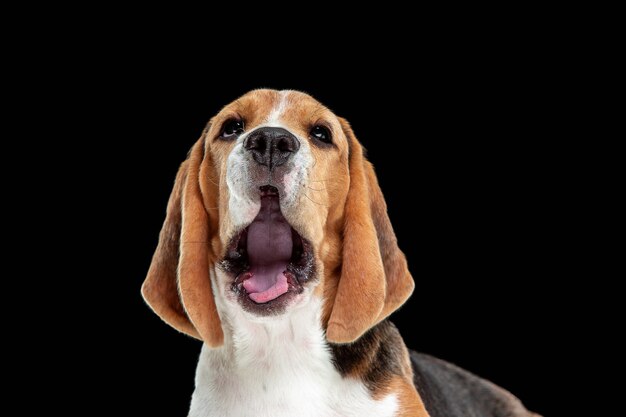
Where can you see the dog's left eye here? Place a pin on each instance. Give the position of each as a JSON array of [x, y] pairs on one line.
[[232, 128], [321, 133]]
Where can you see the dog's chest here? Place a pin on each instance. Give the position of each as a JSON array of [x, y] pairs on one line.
[[279, 377]]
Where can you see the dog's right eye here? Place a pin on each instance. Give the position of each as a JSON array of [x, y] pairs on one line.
[[232, 128]]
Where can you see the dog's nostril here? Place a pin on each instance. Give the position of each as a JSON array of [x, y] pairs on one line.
[[284, 145], [256, 143]]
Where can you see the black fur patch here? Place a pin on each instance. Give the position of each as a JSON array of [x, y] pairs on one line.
[[449, 391], [377, 355]]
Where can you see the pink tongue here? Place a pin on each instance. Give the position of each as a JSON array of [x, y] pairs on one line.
[[269, 246], [255, 287]]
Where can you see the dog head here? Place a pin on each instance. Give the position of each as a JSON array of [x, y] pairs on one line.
[[275, 205]]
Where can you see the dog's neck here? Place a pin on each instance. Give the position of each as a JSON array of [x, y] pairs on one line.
[[275, 342], [281, 364]]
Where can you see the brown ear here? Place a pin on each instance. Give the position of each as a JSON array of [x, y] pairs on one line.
[[375, 279], [178, 285]]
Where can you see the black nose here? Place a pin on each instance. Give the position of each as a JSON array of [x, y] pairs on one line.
[[271, 146]]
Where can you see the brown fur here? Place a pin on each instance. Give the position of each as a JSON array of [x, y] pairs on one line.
[[375, 279], [411, 404], [178, 287], [160, 289]]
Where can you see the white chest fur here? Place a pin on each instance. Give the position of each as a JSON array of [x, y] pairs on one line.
[[281, 368]]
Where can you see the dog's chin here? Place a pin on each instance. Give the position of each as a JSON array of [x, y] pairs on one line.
[[269, 263]]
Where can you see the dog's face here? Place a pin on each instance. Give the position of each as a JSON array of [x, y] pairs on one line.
[[281, 161], [276, 205]]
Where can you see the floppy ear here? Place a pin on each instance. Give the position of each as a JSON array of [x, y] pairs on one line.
[[375, 279], [178, 285]]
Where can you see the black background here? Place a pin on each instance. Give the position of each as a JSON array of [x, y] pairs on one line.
[[460, 162]]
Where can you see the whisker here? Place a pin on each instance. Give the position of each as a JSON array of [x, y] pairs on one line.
[[315, 202], [314, 161], [326, 180], [315, 189]]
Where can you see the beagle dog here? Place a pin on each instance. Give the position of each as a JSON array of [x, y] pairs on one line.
[[278, 254]]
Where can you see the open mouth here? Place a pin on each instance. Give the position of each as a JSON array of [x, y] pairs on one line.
[[269, 259]]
